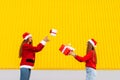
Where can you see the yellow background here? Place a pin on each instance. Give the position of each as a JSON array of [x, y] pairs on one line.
[[76, 22]]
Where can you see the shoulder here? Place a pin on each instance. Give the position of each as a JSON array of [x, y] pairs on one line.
[[26, 45], [91, 52]]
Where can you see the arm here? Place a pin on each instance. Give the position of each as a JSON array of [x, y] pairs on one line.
[[38, 48], [82, 59]]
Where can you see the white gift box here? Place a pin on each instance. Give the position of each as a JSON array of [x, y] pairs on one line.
[[53, 32]]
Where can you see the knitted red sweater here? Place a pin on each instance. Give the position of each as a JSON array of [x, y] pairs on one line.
[[89, 58]]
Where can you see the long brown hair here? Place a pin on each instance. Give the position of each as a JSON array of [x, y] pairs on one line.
[[20, 50], [90, 47], [94, 55]]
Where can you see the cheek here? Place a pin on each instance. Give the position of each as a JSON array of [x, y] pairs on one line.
[[30, 39]]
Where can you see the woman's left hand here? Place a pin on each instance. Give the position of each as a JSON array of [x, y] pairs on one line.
[[46, 39], [72, 53]]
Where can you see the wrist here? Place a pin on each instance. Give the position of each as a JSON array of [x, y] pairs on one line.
[[74, 55], [43, 42]]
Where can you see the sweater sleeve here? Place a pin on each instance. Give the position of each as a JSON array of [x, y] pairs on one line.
[[85, 58], [37, 48]]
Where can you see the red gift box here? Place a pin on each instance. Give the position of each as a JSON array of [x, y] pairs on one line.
[[65, 49]]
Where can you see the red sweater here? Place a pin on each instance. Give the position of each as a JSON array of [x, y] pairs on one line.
[[89, 58], [28, 54]]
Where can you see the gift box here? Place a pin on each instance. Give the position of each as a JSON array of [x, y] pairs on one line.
[[53, 32], [65, 49]]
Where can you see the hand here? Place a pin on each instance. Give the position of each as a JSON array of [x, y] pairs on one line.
[[72, 53], [46, 39]]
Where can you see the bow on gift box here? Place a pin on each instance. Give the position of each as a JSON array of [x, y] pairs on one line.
[[65, 49]]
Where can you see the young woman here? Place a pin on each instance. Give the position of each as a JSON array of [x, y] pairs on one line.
[[90, 59], [27, 55]]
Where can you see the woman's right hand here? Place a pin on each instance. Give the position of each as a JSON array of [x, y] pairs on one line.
[[46, 39], [72, 53]]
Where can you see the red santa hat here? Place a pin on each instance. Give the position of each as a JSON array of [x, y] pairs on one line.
[[26, 35], [93, 42]]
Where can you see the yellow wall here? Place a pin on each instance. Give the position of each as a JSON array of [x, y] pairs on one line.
[[76, 22]]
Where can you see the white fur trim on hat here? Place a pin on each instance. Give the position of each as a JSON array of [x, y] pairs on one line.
[[27, 36], [92, 42]]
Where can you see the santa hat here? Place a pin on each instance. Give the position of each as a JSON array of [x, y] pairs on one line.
[[26, 35], [93, 42]]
